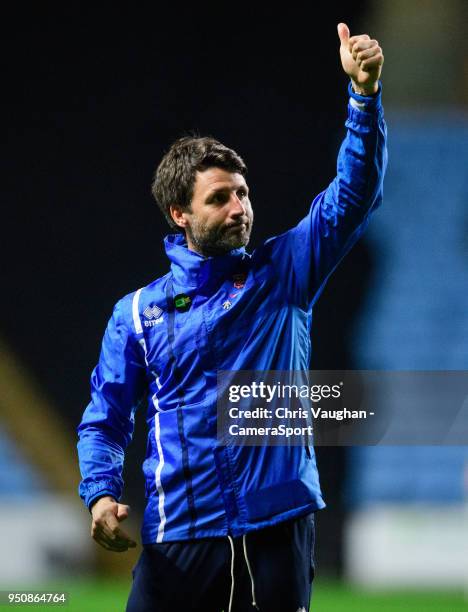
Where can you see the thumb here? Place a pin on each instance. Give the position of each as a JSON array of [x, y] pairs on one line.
[[343, 33], [122, 512]]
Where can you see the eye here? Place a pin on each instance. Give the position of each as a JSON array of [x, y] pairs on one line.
[[242, 193], [219, 198]]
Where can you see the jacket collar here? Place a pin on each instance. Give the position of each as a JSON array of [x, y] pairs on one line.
[[190, 269]]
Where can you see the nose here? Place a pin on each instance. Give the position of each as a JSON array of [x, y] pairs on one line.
[[238, 207]]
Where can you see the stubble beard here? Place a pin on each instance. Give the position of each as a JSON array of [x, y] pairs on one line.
[[217, 240]]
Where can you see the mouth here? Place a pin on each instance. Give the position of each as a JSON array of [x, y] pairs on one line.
[[237, 227]]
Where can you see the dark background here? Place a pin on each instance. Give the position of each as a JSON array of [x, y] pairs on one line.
[[93, 99]]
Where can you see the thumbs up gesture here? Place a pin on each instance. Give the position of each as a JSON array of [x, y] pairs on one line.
[[362, 60]]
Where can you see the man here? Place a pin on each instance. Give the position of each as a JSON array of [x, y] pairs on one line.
[[225, 528]]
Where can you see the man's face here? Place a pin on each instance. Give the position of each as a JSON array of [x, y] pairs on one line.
[[220, 216]]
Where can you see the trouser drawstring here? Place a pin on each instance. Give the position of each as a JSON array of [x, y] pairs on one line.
[[231, 597], [232, 573], [244, 542]]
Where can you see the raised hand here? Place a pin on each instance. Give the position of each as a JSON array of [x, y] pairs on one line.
[[362, 60]]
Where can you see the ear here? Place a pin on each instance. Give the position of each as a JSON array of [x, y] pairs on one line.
[[178, 216]]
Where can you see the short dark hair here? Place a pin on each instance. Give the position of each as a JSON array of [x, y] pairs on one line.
[[174, 178]]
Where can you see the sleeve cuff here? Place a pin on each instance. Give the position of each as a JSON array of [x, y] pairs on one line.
[[365, 103], [96, 490]]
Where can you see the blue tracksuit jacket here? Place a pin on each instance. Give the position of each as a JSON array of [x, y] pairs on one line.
[[194, 487]]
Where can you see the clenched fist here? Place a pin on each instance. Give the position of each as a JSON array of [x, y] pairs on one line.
[[105, 529], [362, 60]]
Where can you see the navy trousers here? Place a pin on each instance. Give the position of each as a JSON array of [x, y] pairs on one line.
[[269, 570]]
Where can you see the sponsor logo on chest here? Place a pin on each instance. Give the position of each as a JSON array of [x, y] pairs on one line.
[[153, 316]]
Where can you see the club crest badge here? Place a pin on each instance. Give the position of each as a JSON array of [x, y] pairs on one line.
[[238, 280]]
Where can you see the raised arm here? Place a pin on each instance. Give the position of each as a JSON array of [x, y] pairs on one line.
[[307, 254]]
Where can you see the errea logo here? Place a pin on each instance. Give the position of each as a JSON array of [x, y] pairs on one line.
[[153, 316]]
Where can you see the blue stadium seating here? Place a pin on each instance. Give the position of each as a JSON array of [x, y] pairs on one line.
[[416, 314], [18, 478]]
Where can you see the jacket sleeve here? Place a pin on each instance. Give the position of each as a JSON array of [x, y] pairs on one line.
[[117, 386], [307, 254]]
